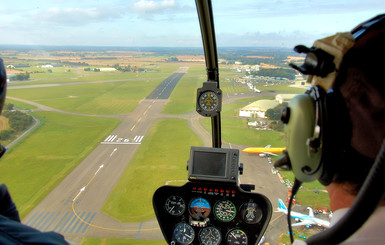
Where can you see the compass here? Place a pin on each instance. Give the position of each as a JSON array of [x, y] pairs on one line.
[[209, 99]]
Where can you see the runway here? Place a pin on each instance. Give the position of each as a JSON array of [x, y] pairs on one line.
[[73, 207]]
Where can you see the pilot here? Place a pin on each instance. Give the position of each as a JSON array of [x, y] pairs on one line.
[[12, 231], [356, 126]]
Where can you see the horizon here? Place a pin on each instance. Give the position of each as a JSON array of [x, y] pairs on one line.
[[170, 23]]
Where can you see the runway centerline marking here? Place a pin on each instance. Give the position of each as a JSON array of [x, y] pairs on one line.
[[97, 226]]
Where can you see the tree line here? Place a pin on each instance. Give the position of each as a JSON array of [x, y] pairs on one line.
[[280, 72], [274, 115], [19, 77], [18, 122]]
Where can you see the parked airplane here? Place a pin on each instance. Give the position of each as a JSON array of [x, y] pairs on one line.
[[305, 219], [265, 151]]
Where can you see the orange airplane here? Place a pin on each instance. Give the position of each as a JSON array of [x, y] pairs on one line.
[[265, 151]]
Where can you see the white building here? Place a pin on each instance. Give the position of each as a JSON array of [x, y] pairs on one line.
[[257, 108], [107, 69]]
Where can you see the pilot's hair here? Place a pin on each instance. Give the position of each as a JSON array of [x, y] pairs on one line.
[[361, 81]]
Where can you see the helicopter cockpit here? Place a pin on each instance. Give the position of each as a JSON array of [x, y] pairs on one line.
[[211, 208]]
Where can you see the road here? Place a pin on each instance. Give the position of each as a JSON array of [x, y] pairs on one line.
[[73, 207]]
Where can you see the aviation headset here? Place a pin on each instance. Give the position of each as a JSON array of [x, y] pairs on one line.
[[317, 124], [3, 90]]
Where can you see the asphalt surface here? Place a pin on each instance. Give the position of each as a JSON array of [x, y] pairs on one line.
[[73, 207]]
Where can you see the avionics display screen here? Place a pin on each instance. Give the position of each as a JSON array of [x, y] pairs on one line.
[[209, 163], [213, 164]]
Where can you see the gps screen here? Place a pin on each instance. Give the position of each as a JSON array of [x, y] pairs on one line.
[[209, 163]]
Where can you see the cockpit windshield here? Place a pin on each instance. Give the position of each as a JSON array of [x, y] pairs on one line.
[[101, 105]]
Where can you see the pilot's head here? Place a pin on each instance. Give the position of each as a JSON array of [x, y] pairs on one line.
[[361, 83], [345, 108], [3, 90]]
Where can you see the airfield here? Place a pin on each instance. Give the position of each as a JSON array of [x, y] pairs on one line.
[[75, 207]]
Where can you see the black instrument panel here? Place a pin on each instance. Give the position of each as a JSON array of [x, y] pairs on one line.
[[211, 213]]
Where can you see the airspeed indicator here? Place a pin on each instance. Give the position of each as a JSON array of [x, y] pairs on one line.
[[225, 210]]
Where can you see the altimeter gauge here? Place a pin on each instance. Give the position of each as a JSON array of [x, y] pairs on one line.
[[175, 205], [209, 99]]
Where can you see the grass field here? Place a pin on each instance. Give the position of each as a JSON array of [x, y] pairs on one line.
[[184, 96], [96, 98], [162, 156], [20, 105], [311, 194], [236, 131], [49, 154]]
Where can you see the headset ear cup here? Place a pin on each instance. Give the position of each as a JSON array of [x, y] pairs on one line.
[[335, 128], [326, 139], [302, 138]]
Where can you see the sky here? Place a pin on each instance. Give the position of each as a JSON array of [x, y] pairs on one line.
[[174, 23]]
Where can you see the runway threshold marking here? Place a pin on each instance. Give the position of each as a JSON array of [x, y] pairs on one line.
[[115, 140]]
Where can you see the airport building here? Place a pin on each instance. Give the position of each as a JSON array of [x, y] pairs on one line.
[[257, 108]]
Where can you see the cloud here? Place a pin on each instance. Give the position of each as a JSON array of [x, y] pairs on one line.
[[78, 16], [257, 39], [150, 6], [162, 10]]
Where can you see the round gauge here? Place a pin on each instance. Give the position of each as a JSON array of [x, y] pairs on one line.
[[175, 205], [210, 236], [251, 213], [199, 208], [208, 101], [237, 237], [225, 210], [183, 234]]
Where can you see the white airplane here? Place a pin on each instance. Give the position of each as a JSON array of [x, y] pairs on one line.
[[257, 90], [305, 219]]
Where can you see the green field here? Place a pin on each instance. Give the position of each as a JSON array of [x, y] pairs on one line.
[[162, 157], [53, 149], [117, 98], [96, 98], [32, 168]]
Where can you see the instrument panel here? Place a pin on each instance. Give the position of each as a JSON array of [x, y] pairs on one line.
[[211, 213]]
